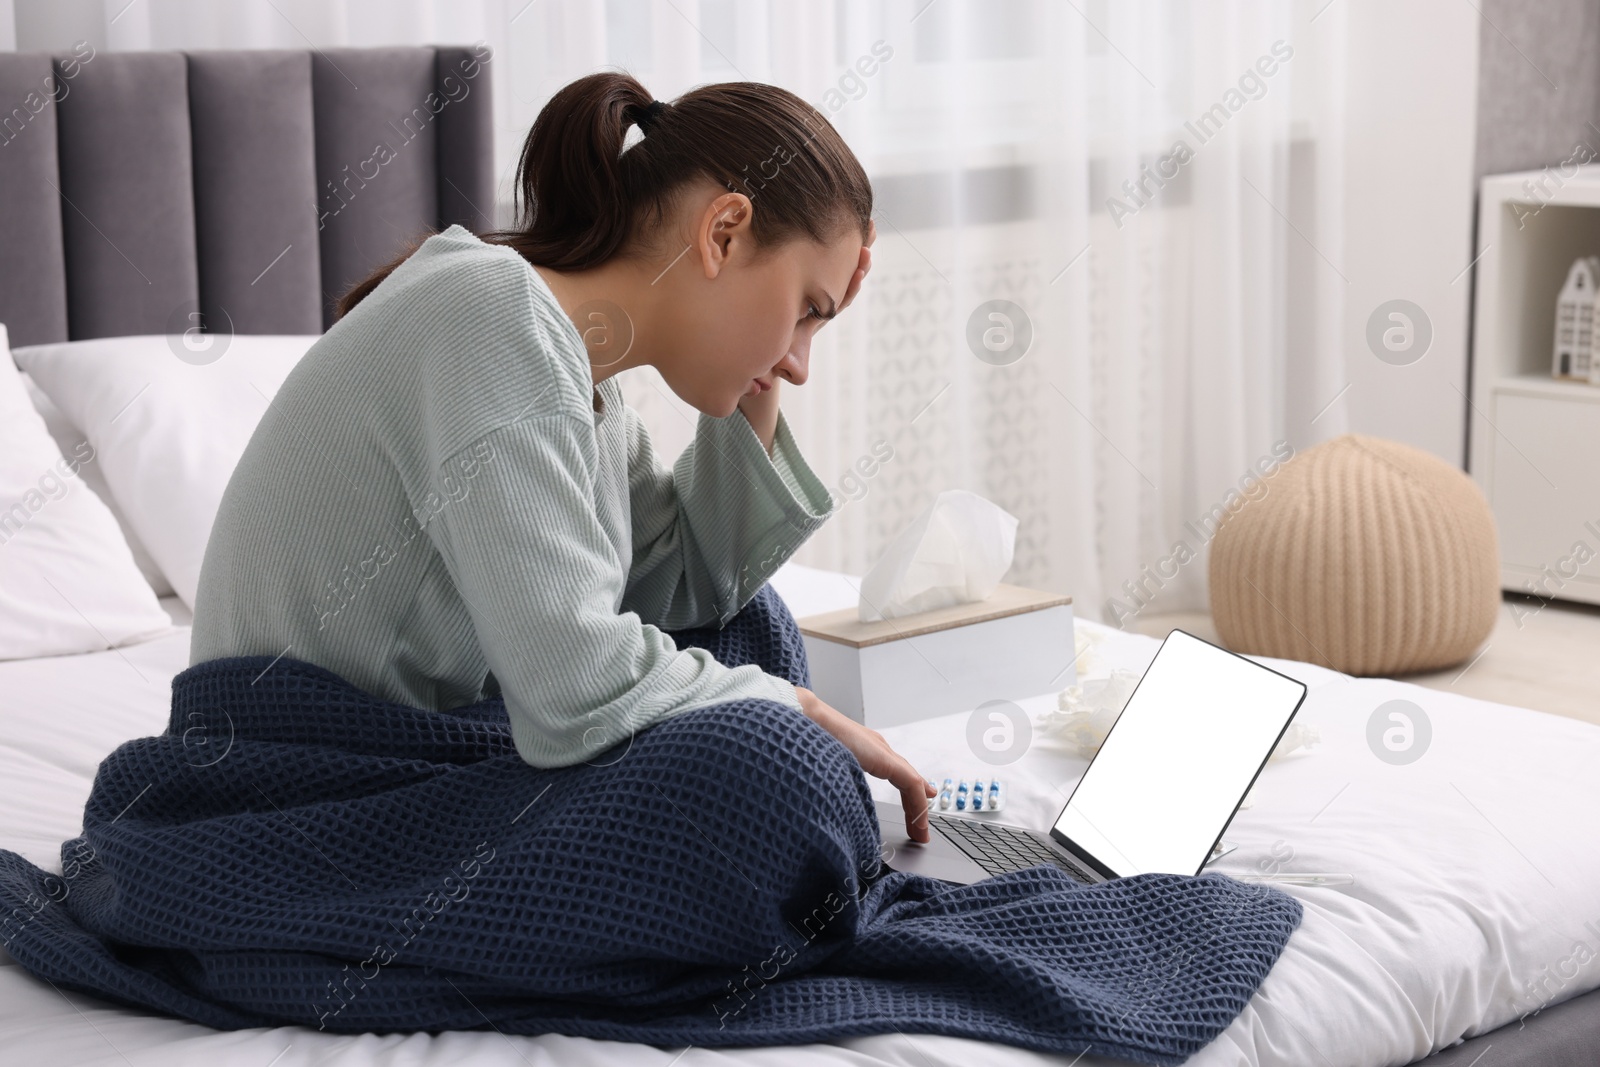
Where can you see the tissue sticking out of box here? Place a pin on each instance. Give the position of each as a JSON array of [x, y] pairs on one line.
[[955, 552]]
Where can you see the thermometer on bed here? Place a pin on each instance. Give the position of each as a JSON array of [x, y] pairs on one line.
[[1297, 879]]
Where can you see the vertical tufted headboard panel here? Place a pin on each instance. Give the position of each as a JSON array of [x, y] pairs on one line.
[[33, 271], [254, 159], [143, 192]]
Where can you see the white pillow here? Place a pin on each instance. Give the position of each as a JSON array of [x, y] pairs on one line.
[[68, 582], [68, 438], [169, 422]]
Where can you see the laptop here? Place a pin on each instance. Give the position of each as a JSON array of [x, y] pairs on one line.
[[1157, 797]]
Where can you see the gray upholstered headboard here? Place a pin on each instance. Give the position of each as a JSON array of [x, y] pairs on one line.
[[253, 187]]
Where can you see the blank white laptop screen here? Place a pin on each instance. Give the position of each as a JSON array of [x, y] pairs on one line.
[[1179, 759]]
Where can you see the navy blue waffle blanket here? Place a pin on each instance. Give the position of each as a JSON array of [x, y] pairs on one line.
[[293, 850]]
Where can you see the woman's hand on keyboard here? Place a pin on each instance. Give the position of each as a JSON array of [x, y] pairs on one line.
[[876, 758]]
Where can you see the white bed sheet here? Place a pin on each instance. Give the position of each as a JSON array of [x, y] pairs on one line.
[[1477, 876]]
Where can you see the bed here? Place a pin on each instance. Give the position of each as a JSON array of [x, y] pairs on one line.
[[1475, 876], [1474, 910]]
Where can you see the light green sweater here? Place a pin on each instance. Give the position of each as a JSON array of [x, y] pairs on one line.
[[432, 496]]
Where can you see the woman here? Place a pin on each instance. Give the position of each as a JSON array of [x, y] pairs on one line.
[[450, 496], [449, 485]]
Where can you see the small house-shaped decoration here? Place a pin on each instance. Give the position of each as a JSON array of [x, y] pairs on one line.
[[1574, 358]]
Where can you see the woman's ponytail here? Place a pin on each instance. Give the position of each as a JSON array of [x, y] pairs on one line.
[[580, 199], [572, 185]]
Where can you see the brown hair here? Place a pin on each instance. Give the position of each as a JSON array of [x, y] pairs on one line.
[[580, 199]]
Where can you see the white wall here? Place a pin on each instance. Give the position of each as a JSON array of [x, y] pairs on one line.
[[1410, 142]]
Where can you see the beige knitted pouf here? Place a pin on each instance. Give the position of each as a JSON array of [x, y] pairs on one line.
[[1364, 555]]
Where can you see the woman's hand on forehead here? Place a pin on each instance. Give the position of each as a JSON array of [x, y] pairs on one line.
[[862, 266]]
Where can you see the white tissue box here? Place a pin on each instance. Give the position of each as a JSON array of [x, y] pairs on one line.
[[1015, 643]]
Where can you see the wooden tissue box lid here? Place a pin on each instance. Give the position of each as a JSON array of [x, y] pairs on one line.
[[845, 625]]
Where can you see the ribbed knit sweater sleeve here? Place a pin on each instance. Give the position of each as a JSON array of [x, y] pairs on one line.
[[574, 635], [709, 532]]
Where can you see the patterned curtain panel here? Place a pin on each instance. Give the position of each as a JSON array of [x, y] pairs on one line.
[[1105, 293]]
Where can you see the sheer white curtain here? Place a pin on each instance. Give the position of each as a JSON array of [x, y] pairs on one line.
[[1180, 306]]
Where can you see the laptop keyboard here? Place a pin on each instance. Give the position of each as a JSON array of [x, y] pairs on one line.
[[999, 849]]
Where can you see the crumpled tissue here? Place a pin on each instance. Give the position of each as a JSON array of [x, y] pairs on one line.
[[1085, 713]]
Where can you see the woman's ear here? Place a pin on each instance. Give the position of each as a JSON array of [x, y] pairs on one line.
[[726, 220]]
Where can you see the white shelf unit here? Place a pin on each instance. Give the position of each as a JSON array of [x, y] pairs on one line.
[[1535, 439]]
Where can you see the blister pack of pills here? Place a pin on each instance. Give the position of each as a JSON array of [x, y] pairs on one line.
[[968, 795]]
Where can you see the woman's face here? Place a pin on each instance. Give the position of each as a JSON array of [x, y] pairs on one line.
[[733, 316]]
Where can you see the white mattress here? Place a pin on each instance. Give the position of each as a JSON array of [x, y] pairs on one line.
[[1477, 875]]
